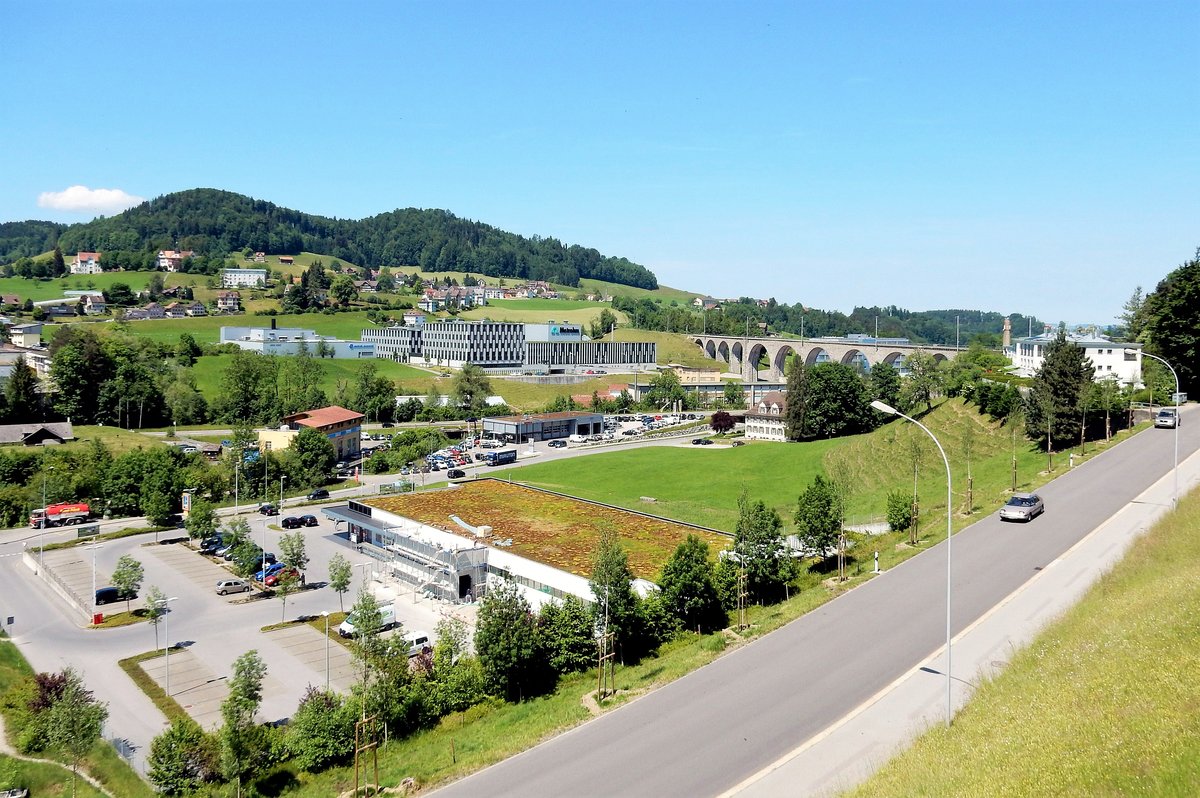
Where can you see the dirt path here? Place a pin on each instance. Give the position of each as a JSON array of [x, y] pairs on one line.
[[8, 750]]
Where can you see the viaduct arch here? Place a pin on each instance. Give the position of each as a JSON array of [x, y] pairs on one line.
[[744, 355]]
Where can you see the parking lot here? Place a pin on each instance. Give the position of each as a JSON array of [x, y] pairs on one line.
[[195, 568]]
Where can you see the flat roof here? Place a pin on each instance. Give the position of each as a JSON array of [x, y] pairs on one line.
[[561, 416]]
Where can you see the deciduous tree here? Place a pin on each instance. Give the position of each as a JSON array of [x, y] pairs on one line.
[[340, 572], [127, 578], [759, 547], [506, 644], [688, 589], [818, 522]]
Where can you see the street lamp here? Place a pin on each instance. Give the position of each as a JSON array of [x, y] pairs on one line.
[[891, 411], [1133, 352], [281, 481], [95, 545], [326, 614], [167, 640], [45, 517]]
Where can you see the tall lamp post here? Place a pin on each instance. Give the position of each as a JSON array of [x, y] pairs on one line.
[[45, 518], [891, 411], [282, 479], [1175, 491], [326, 614], [167, 640]]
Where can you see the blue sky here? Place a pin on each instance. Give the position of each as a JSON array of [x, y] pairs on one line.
[[1025, 157]]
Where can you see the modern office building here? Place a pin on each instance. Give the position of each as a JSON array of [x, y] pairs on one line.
[[1108, 356], [396, 343], [490, 344]]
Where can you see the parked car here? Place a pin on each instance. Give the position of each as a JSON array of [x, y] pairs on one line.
[[226, 586], [278, 576], [268, 509], [308, 520], [291, 522], [387, 618], [705, 442], [271, 568], [210, 544], [1022, 507], [456, 473], [697, 441], [1166, 419], [418, 643], [738, 443], [319, 493], [557, 444], [224, 550], [110, 595]]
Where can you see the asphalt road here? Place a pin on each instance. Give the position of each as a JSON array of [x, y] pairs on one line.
[[707, 732]]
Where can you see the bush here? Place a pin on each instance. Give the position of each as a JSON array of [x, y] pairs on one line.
[[899, 510]]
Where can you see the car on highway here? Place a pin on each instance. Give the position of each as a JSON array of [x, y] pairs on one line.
[[268, 509], [291, 522], [1166, 419], [1022, 507], [308, 520], [557, 444]]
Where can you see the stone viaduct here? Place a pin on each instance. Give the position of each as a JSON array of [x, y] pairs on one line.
[[742, 355]]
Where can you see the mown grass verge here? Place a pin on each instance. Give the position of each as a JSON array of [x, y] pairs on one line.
[[1104, 702], [132, 667]]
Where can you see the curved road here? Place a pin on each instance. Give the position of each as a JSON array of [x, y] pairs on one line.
[[705, 733]]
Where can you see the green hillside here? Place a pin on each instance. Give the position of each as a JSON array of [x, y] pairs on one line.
[[218, 223]]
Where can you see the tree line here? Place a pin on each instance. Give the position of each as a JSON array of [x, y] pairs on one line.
[[215, 223], [744, 317]]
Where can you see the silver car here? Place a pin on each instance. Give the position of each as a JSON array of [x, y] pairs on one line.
[[1022, 507], [1166, 419]]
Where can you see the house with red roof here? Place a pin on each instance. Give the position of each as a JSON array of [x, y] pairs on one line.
[[342, 427]]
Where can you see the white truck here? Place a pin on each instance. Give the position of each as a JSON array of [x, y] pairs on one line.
[[387, 615]]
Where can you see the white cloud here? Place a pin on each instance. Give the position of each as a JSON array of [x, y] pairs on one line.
[[81, 199]]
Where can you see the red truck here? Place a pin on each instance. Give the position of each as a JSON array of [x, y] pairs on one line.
[[60, 515]]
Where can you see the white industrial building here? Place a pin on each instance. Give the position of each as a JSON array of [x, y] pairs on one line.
[[290, 340]]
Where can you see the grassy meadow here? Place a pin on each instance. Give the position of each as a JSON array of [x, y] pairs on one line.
[[702, 484], [1104, 702]]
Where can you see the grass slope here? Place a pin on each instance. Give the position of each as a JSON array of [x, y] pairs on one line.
[[1104, 702], [207, 329], [701, 484]]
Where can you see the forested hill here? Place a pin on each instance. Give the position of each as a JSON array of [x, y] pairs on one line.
[[213, 222]]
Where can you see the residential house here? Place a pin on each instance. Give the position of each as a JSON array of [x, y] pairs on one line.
[[26, 335], [37, 434], [37, 359], [155, 311], [169, 260], [174, 310], [195, 308], [86, 263], [767, 420], [10, 300], [1121, 361], [493, 292], [136, 314], [260, 257], [366, 286], [286, 260], [94, 305], [412, 318], [229, 301], [432, 300]]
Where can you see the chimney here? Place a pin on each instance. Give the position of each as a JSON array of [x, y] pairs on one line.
[[1006, 340]]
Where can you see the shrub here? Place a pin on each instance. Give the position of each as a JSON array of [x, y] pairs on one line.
[[899, 510]]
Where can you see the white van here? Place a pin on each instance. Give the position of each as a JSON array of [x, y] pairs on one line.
[[417, 642], [387, 614], [577, 439]]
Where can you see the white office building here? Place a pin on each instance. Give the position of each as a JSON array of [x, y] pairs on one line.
[[1109, 358], [490, 344]]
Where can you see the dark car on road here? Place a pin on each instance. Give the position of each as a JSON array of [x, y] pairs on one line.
[[456, 473], [291, 522], [557, 444], [319, 493], [268, 509], [1022, 507]]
